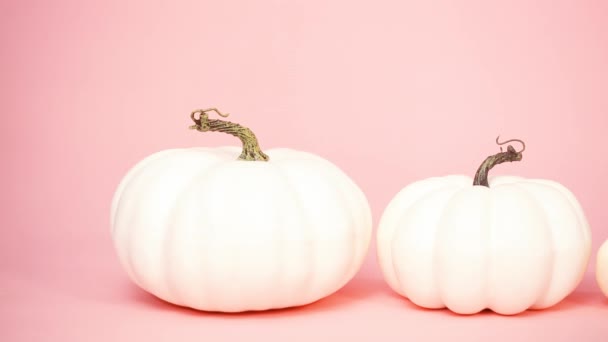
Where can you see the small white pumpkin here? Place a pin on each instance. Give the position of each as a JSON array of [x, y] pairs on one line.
[[508, 244], [200, 228], [601, 268]]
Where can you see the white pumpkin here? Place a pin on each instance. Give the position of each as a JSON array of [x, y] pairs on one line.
[[517, 244], [199, 228], [601, 268]]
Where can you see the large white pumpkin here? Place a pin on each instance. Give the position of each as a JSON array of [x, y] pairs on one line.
[[517, 244], [200, 228]]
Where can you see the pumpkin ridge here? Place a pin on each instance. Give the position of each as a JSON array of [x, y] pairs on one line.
[[304, 215], [346, 184], [281, 302], [580, 223], [348, 274], [129, 239], [445, 187], [534, 286], [440, 290], [396, 221], [174, 289], [387, 226], [550, 279], [487, 215], [335, 173]]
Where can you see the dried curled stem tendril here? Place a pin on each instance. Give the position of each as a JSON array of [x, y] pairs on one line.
[[481, 176], [251, 148], [523, 144]]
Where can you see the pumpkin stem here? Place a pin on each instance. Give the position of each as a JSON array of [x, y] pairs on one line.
[[481, 176], [251, 148]]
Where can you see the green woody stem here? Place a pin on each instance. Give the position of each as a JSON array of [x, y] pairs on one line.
[[481, 177], [251, 148]]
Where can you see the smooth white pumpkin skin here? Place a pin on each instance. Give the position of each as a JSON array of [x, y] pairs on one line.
[[601, 268], [519, 244], [198, 228]]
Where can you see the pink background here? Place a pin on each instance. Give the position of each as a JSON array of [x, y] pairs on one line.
[[391, 91]]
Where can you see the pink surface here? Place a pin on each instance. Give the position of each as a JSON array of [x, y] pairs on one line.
[[390, 91]]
